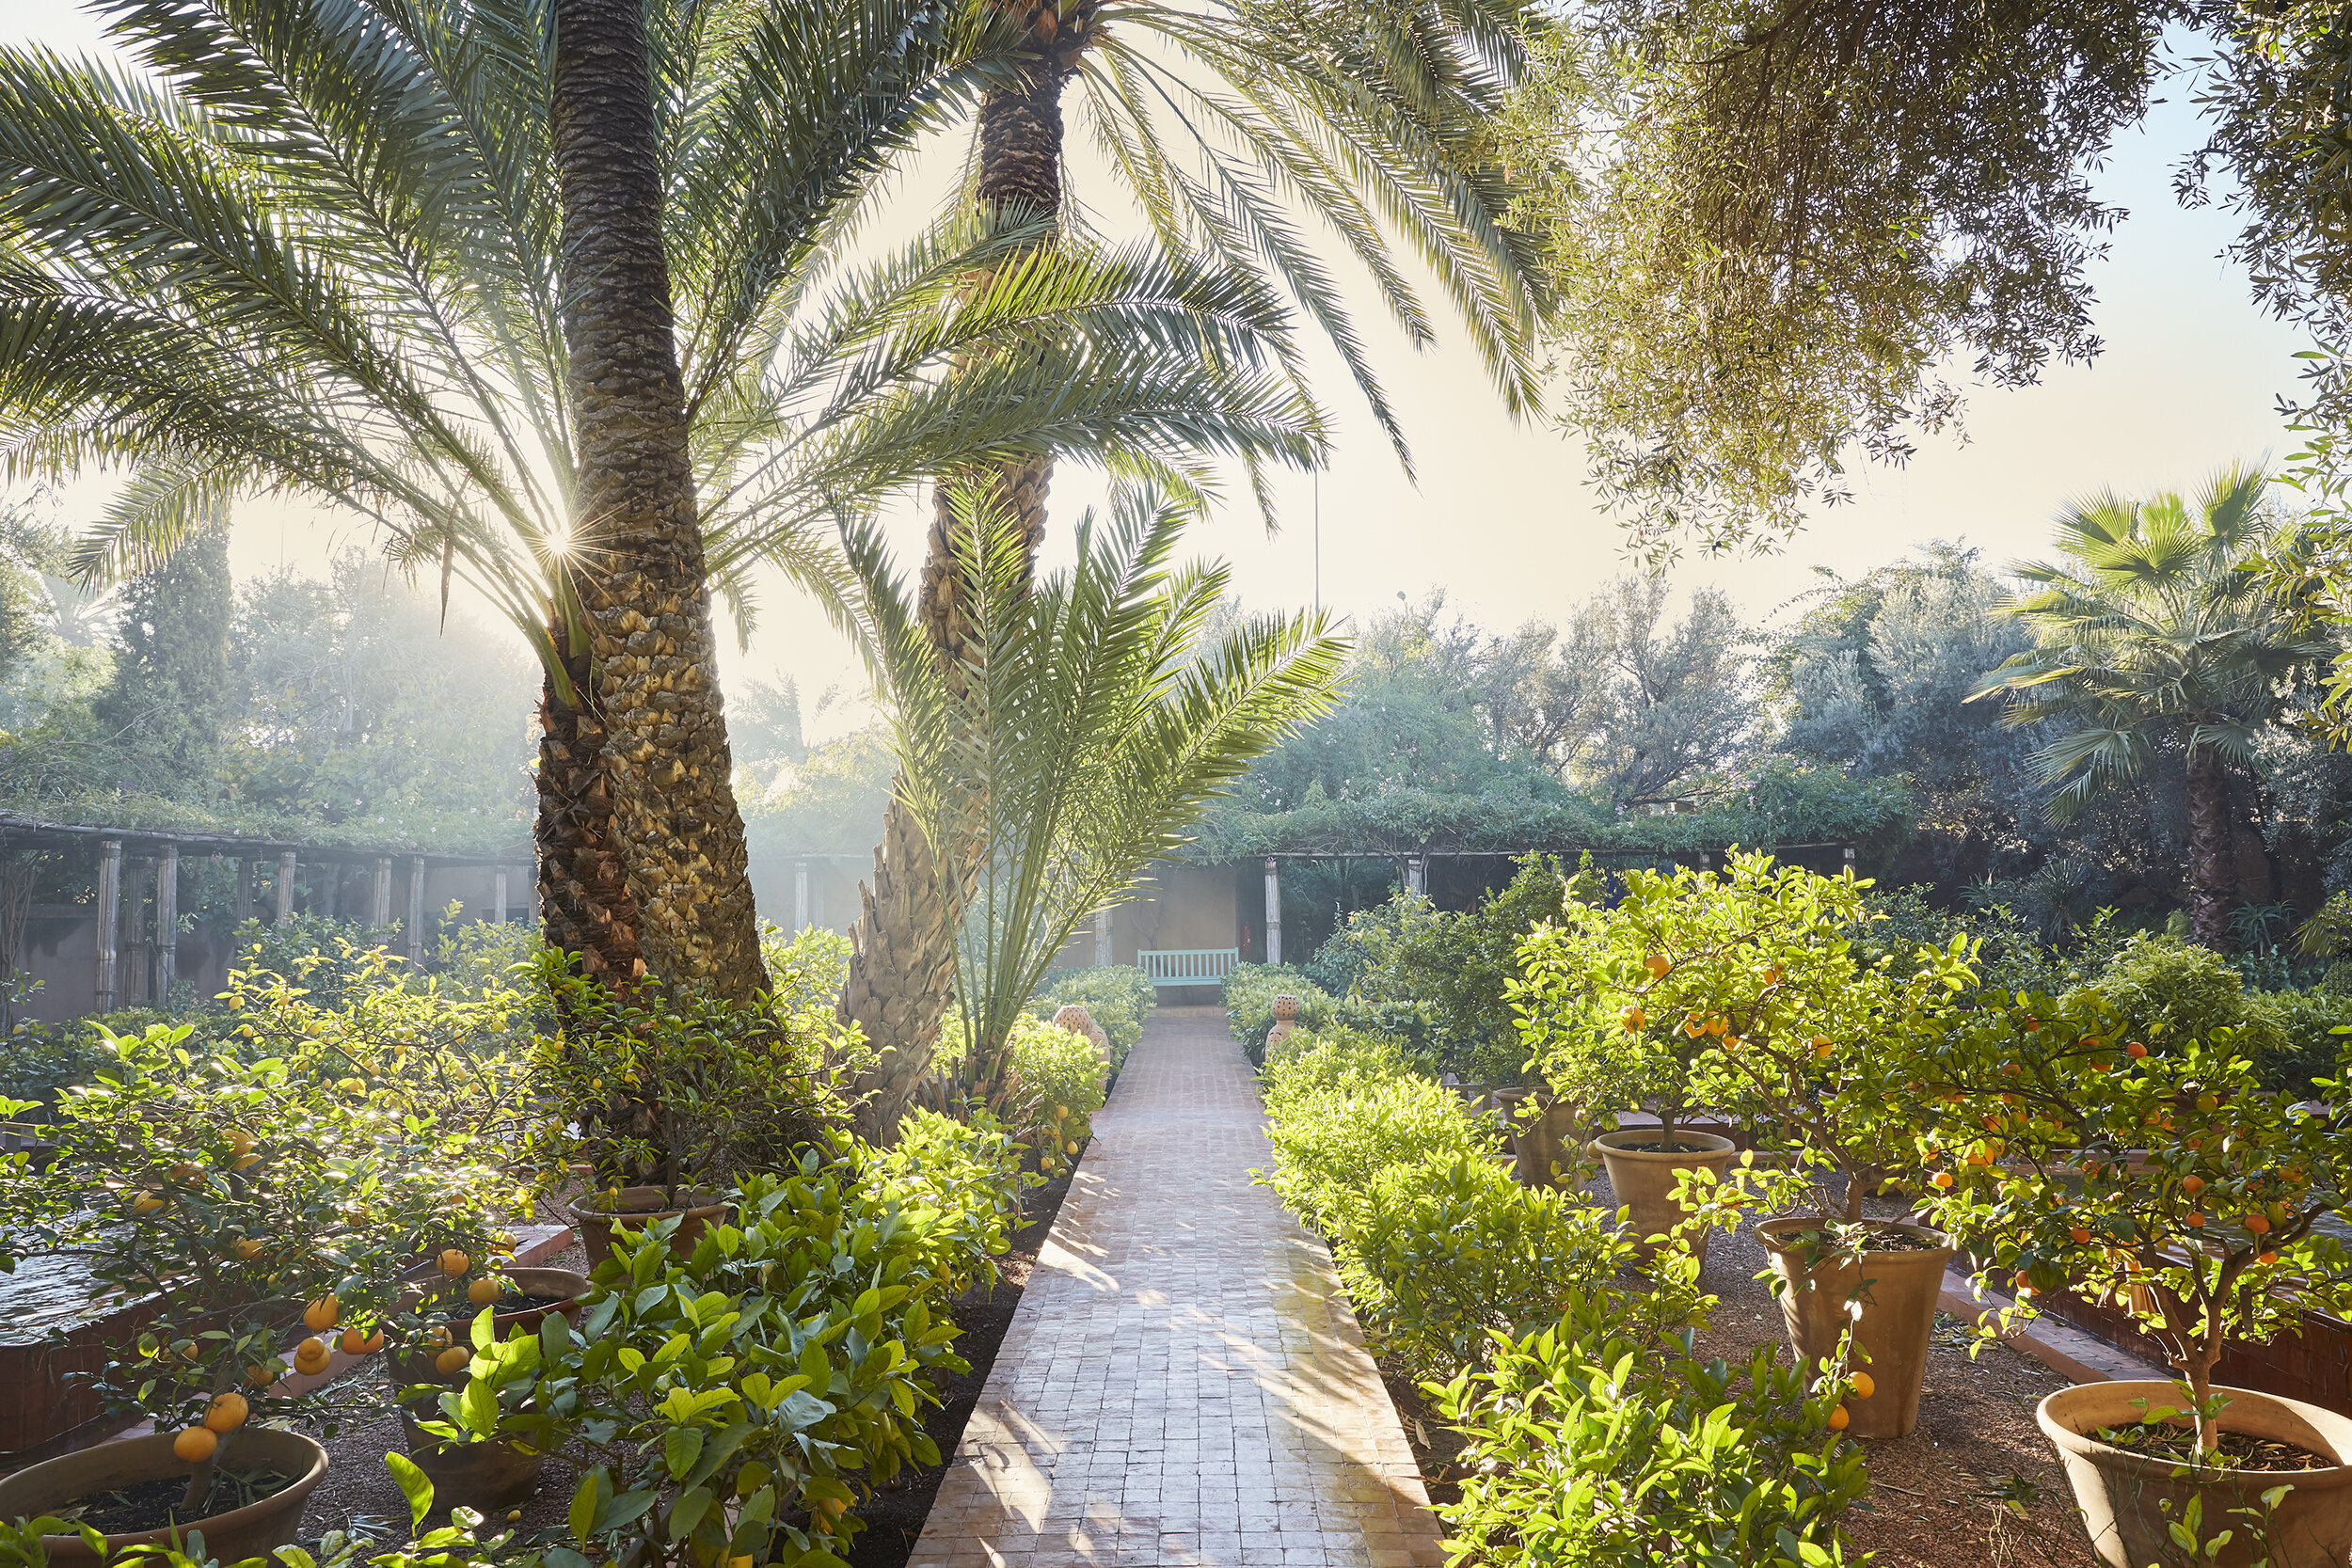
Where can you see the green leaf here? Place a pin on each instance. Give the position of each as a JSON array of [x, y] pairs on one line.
[[680, 1447], [414, 1485], [689, 1511], [586, 1502]]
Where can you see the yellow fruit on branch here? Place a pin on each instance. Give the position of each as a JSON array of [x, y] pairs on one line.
[[322, 1314], [196, 1445], [311, 1355], [1863, 1387], [226, 1412], [145, 1202], [260, 1377], [248, 1249], [1658, 965], [453, 1359], [1839, 1420], [454, 1262], [354, 1343], [486, 1291]]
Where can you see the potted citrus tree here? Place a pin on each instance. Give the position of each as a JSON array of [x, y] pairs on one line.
[[2157, 1173], [1616, 1007], [1818, 1051], [666, 1099], [256, 1202]]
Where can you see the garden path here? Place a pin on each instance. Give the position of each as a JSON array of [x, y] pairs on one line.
[[1184, 1381]]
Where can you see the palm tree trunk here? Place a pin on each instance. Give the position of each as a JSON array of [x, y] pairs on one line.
[[663, 747], [903, 956], [2211, 875], [584, 890]]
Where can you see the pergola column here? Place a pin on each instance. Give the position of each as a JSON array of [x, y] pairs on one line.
[[1417, 875], [109, 919], [1103, 936], [498, 895], [167, 920], [1273, 911], [416, 908], [286, 867], [380, 912], [800, 897], [245, 888]]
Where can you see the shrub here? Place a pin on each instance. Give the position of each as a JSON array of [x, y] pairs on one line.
[[471, 957], [1119, 997], [1588, 1446], [1062, 1082], [1346, 1055], [1448, 1250], [2170, 990], [805, 969], [325, 956], [1250, 993], [969, 1174], [1332, 1134], [735, 1401], [36, 1062]]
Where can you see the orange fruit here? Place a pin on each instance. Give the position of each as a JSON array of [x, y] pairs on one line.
[[437, 1335], [454, 1262], [311, 1355], [2081, 1235], [484, 1291], [247, 1248], [196, 1445], [355, 1343], [145, 1203], [2196, 1221], [1863, 1387], [260, 1377], [1658, 965], [240, 1141], [226, 1412], [2134, 1050], [246, 1162], [322, 1314], [452, 1359], [1838, 1418], [1942, 1179], [2192, 1185], [2267, 1258], [2258, 1224]]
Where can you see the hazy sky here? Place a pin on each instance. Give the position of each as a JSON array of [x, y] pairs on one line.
[[1501, 518]]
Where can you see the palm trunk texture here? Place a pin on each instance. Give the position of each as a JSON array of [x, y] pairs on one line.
[[651, 722], [2212, 876], [903, 956]]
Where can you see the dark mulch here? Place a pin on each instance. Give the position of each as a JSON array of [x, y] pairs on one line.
[[894, 1514], [155, 1504]]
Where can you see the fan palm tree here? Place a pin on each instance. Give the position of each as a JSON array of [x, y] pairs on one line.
[[324, 250], [2153, 638], [1092, 719], [1225, 120]]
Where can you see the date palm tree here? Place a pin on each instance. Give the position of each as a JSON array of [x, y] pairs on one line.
[[1225, 122], [2154, 639], [1094, 716], [326, 251]]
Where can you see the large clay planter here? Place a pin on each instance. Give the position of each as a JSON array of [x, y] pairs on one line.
[[1643, 1180], [638, 1208], [252, 1531], [480, 1476], [2129, 1499], [565, 1283], [1899, 1294], [1537, 1142]]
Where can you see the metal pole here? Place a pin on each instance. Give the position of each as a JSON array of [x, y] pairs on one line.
[[285, 882], [109, 919], [1273, 911], [416, 908], [167, 920]]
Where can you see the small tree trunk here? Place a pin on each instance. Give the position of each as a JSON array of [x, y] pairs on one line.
[[2212, 870], [638, 549]]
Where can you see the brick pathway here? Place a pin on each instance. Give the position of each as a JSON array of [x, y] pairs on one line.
[[1184, 1383]]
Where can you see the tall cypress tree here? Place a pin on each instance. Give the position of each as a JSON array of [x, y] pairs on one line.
[[164, 705]]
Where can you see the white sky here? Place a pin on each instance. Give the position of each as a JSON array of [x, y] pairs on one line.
[[1501, 518]]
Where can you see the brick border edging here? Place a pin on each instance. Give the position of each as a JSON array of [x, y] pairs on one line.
[[2064, 1350]]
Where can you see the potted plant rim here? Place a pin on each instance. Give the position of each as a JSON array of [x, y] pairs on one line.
[[255, 1202], [2077, 1155]]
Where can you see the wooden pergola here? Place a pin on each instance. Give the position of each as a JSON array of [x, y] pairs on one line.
[[164, 847]]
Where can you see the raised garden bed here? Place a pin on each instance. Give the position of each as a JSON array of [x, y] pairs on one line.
[[46, 1409]]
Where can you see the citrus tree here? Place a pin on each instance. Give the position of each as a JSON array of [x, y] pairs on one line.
[[240, 1196], [2156, 1173], [1742, 990]]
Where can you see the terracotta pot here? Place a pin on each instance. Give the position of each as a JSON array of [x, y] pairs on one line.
[[474, 1475], [1900, 1291], [566, 1283], [255, 1531], [1643, 1180], [638, 1208], [1536, 1143], [2128, 1499]]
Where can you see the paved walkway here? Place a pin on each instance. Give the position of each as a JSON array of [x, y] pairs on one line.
[[1184, 1381]]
